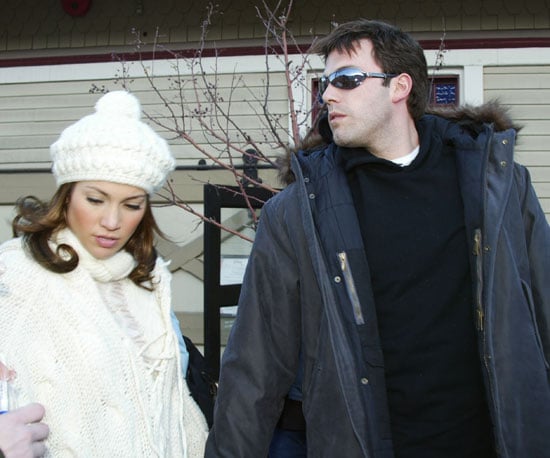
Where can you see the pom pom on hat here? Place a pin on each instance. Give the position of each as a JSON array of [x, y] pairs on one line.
[[113, 144]]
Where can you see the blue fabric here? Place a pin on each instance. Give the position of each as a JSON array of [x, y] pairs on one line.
[[183, 349], [295, 392], [288, 444]]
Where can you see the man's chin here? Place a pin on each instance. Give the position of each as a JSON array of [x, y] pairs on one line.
[[343, 141]]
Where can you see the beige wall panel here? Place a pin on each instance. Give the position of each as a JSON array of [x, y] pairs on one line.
[[539, 174], [17, 97], [14, 155], [544, 190], [30, 126], [536, 127], [545, 204], [517, 77], [520, 112], [34, 114], [46, 88], [534, 158], [513, 96], [184, 80], [13, 186], [534, 144]]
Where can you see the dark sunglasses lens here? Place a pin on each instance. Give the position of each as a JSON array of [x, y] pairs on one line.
[[340, 81], [347, 81]]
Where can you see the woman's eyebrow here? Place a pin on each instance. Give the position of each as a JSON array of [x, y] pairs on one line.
[[106, 194]]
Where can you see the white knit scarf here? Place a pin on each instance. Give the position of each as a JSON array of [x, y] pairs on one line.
[[106, 270]]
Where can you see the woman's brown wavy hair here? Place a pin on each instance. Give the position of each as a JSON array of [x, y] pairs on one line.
[[37, 221]]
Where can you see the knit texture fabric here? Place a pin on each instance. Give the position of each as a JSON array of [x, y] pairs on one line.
[[109, 390], [114, 145]]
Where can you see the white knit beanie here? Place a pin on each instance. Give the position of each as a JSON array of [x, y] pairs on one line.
[[112, 144]]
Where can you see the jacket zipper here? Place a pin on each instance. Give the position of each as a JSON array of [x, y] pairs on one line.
[[350, 288], [480, 315], [480, 324]]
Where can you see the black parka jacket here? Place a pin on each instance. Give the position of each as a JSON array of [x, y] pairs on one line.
[[306, 286]]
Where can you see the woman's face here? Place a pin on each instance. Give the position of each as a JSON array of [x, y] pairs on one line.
[[104, 215]]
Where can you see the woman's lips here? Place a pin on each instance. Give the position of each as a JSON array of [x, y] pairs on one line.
[[106, 242]]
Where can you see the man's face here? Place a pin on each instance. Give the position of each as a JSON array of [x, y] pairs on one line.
[[358, 117]]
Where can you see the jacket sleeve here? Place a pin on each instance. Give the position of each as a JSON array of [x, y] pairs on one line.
[[537, 233], [261, 358]]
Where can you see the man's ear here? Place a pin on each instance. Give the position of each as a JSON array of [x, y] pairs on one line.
[[401, 87]]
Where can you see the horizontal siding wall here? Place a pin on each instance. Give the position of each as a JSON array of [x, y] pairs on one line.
[[37, 103], [43, 25], [33, 114], [526, 90]]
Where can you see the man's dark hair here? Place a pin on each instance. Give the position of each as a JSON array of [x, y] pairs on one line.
[[394, 50]]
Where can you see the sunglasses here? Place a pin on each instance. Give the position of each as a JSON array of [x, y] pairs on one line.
[[349, 78]]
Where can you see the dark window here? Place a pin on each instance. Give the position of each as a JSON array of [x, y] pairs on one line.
[[316, 101], [444, 91]]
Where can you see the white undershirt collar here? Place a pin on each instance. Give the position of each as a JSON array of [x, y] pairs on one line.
[[403, 161]]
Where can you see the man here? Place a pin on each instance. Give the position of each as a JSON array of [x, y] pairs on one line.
[[404, 271], [21, 432]]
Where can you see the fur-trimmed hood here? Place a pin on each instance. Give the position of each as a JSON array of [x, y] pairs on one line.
[[471, 118]]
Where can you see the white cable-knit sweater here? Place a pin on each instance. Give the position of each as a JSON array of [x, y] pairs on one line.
[[100, 354]]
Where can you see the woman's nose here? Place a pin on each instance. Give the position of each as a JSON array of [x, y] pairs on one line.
[[111, 218]]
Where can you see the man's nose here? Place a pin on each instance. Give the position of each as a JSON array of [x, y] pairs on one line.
[[329, 95]]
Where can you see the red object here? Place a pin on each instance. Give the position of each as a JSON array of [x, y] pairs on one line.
[[76, 7]]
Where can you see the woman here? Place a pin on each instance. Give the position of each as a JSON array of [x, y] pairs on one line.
[[85, 300]]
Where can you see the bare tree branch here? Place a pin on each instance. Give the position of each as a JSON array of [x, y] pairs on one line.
[[200, 105]]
